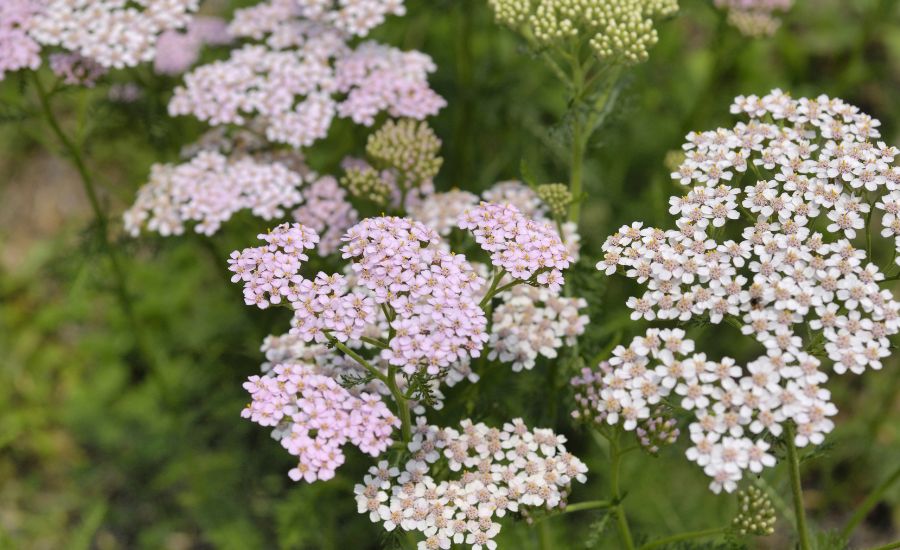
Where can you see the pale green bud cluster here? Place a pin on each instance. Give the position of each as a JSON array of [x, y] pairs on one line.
[[368, 184], [619, 31], [756, 515], [557, 197], [408, 147]]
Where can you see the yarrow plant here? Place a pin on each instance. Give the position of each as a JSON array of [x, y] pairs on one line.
[[801, 179]]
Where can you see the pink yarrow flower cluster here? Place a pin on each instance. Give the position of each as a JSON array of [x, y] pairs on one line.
[[302, 76], [733, 408], [500, 471], [113, 33], [270, 273], [426, 295], [430, 293], [314, 417], [529, 321], [813, 167], [209, 190], [18, 49], [518, 245], [352, 17]]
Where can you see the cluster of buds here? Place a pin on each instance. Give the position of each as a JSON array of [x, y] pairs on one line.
[[756, 515], [656, 432], [402, 161], [618, 31], [557, 197], [754, 18]]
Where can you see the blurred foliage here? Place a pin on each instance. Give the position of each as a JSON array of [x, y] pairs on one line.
[[97, 453]]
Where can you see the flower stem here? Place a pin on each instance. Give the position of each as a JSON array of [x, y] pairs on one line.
[[390, 380], [796, 488], [618, 509], [860, 514], [889, 546], [690, 535], [402, 405], [87, 180]]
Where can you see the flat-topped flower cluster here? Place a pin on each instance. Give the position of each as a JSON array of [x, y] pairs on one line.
[[733, 408], [110, 33], [304, 73], [500, 471], [815, 176], [314, 417]]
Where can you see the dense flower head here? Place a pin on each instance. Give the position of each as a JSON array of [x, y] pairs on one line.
[[296, 93], [177, 50], [754, 17], [326, 210], [76, 70], [271, 273], [351, 17], [520, 246], [734, 409], [500, 471], [518, 194], [532, 321], [619, 31], [402, 160], [209, 189], [557, 197], [756, 514], [314, 417], [113, 33], [376, 78], [799, 260], [18, 49], [430, 293]]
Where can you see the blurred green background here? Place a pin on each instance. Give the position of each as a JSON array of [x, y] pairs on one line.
[[99, 449]]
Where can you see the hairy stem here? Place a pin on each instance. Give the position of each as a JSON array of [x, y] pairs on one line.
[[690, 535], [796, 488]]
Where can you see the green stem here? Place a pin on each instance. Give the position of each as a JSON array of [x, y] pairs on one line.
[[576, 175], [690, 535], [358, 358], [375, 342], [860, 514], [492, 290], [74, 152], [796, 488], [889, 546], [615, 457], [390, 380], [402, 405]]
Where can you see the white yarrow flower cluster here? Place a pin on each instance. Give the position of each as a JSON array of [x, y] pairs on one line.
[[500, 471], [209, 190], [733, 408], [813, 173], [532, 321]]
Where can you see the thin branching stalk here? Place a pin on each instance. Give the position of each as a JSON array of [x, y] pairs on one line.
[[73, 151], [796, 487]]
